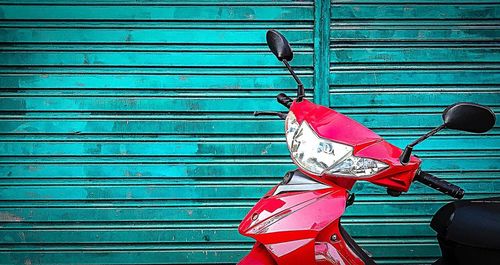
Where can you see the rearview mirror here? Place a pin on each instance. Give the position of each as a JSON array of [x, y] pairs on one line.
[[279, 45], [469, 117], [461, 116]]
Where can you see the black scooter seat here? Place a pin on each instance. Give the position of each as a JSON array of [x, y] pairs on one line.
[[474, 223]]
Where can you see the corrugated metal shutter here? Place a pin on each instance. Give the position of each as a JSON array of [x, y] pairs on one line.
[[126, 127], [126, 134], [395, 65]]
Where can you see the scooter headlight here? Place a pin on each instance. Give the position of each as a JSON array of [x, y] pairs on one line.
[[319, 156]]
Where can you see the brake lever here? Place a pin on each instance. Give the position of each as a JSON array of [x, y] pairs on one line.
[[270, 113]]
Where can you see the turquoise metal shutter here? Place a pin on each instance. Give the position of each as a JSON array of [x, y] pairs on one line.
[[126, 134], [394, 66], [126, 127]]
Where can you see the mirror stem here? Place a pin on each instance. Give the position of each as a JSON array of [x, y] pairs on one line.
[[300, 86], [405, 156]]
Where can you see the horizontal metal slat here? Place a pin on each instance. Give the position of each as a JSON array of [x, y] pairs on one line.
[[146, 212], [359, 35], [150, 81], [446, 145], [22, 177], [407, 11], [365, 192], [412, 100], [173, 13], [147, 36], [149, 59], [146, 169], [152, 104], [410, 77], [414, 55], [379, 121]]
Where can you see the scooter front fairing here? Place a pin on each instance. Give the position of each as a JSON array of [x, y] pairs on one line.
[[297, 222], [336, 128]]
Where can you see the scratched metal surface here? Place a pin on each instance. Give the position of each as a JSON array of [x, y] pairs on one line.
[[126, 134]]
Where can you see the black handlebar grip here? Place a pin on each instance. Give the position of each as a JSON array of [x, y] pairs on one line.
[[440, 185], [284, 100]]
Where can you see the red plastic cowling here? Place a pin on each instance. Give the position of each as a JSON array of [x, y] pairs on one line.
[[337, 127], [289, 225]]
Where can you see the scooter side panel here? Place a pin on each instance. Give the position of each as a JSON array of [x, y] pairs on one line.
[[332, 247], [293, 215], [287, 224]]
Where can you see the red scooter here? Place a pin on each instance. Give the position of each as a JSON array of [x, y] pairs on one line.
[[298, 221]]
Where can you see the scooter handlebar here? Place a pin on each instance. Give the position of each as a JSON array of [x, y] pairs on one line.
[[440, 185], [284, 100]]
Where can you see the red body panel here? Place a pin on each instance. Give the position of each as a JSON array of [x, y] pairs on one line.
[[290, 224], [293, 215], [337, 127]]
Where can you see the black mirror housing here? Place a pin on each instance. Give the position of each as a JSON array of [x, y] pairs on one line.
[[463, 116], [469, 117], [282, 50], [279, 45]]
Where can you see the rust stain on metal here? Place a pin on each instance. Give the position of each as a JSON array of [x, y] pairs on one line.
[[6, 216]]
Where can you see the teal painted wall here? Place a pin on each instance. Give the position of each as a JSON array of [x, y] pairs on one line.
[[126, 134]]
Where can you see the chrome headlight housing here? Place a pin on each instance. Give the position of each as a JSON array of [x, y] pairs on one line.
[[320, 156]]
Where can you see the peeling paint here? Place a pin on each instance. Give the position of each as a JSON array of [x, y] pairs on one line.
[[9, 217], [266, 149]]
